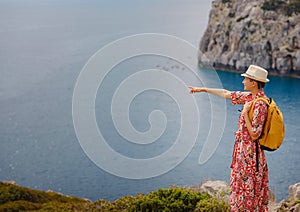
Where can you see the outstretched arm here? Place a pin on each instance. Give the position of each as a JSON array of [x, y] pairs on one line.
[[215, 91]]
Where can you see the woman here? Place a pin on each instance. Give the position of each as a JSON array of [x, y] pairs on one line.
[[249, 170]]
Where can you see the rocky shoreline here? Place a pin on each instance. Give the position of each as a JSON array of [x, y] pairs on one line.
[[15, 198], [241, 33], [291, 203]]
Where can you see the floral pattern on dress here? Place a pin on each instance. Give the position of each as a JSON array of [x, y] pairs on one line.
[[249, 182]]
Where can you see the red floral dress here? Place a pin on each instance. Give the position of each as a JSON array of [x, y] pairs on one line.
[[249, 180]]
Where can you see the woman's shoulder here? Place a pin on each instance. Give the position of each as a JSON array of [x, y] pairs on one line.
[[261, 102]]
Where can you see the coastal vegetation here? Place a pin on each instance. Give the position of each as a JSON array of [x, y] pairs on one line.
[[287, 7], [17, 198]]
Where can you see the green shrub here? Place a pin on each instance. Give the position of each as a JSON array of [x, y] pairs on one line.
[[287, 8], [212, 204], [20, 205], [59, 206], [14, 193], [10, 193], [123, 203], [272, 4], [291, 7], [171, 199], [17, 198]]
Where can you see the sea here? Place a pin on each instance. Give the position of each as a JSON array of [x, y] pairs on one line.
[[95, 104]]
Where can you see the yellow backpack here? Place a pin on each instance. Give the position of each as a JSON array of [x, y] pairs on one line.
[[273, 131]]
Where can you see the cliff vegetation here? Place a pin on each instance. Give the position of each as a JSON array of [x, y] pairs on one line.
[[287, 8]]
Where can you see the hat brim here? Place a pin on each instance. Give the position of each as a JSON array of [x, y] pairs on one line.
[[254, 78]]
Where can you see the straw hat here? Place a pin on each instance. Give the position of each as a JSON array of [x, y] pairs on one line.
[[257, 73]]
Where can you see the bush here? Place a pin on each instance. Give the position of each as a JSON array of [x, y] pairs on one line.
[[14, 193], [171, 199], [272, 4], [10, 192], [123, 203], [60, 206], [212, 204], [20, 205], [288, 8], [292, 7], [17, 198]]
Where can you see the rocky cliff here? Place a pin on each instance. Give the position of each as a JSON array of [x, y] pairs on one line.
[[244, 32]]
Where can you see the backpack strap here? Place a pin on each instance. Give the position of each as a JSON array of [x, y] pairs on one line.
[[256, 149], [267, 101]]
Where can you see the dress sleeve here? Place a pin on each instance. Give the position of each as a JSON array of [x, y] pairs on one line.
[[260, 112], [238, 97]]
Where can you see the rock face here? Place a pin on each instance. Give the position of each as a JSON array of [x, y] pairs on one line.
[[292, 202], [240, 33], [219, 189], [214, 187]]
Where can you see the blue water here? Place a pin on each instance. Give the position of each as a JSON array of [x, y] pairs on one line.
[[44, 46]]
